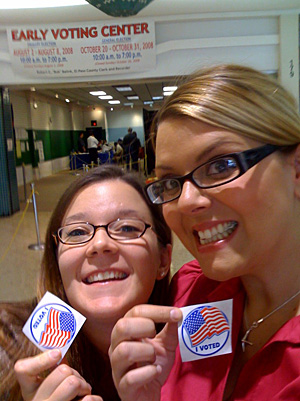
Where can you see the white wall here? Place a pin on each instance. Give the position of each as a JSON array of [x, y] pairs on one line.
[[94, 113], [20, 110], [119, 121], [77, 119], [60, 118]]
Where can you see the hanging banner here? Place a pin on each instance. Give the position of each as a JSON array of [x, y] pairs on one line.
[[82, 49]]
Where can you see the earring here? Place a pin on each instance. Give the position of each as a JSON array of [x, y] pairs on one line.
[[162, 274]]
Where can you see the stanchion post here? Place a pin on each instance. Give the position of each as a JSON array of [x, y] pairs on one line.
[[39, 246], [98, 161]]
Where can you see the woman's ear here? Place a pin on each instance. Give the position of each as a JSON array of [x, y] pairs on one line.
[[165, 262]]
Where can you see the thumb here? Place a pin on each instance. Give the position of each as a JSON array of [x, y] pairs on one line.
[[169, 334]]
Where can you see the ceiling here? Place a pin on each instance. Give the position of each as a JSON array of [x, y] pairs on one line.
[[78, 93]]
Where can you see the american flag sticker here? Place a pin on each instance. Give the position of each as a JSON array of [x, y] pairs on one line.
[[205, 330], [53, 324]]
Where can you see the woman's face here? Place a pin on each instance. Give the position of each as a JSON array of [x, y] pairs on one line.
[[260, 201], [104, 278]]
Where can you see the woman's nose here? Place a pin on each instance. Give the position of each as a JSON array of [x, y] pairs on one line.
[[193, 199], [101, 243]]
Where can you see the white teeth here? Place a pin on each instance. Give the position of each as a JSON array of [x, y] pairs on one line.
[[111, 275], [216, 233], [207, 234], [220, 228], [201, 235]]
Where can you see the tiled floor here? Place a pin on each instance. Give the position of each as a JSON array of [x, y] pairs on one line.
[[19, 264]]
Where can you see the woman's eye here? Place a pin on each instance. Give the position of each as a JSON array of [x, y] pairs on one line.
[[171, 186], [76, 232], [128, 228], [221, 167]]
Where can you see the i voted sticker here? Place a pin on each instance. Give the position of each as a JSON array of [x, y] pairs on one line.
[[53, 324], [205, 330]]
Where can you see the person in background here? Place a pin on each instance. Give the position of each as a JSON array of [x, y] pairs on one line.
[[128, 138], [232, 196], [107, 249], [106, 147], [118, 152], [93, 144], [81, 144], [134, 148]]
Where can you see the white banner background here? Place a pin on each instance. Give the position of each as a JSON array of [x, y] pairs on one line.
[[82, 49]]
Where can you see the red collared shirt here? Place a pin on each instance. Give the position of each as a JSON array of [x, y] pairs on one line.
[[272, 374]]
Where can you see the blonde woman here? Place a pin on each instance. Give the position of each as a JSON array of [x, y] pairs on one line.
[[232, 196]]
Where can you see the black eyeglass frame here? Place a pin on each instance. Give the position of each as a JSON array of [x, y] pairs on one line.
[[57, 237], [245, 160]]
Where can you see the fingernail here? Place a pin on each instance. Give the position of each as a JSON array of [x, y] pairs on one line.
[[55, 354], [175, 314]]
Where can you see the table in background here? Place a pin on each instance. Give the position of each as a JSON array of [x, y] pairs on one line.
[[77, 160]]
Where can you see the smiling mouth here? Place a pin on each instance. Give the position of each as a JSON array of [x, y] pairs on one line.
[[105, 276], [217, 233]]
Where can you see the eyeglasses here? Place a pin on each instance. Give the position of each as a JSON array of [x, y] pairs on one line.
[[120, 229], [216, 172]]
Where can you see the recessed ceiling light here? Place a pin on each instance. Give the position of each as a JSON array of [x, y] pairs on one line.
[[56, 95], [168, 93], [32, 89], [114, 102], [169, 88], [157, 97], [98, 93], [105, 97], [123, 88], [148, 102], [111, 109], [128, 104], [132, 97], [67, 100]]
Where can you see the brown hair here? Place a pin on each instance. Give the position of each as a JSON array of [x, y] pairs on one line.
[[13, 345], [239, 99]]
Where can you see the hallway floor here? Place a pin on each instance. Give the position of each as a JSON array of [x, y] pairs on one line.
[[19, 264]]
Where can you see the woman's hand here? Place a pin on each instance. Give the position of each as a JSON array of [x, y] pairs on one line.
[[62, 384], [141, 360]]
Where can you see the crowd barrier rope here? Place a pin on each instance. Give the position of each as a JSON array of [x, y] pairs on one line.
[[18, 227], [39, 245], [85, 167]]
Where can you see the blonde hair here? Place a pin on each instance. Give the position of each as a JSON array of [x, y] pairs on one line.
[[238, 99]]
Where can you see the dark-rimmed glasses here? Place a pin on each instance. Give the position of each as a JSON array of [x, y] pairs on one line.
[[120, 230], [218, 171]]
